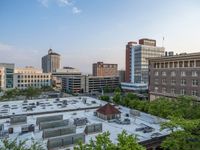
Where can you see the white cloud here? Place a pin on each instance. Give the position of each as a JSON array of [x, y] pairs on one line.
[[63, 3], [76, 10], [5, 47], [44, 3]]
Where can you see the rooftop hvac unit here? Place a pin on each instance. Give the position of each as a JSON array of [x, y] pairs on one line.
[[53, 124], [66, 140], [80, 121], [18, 119], [93, 128], [48, 118], [47, 133]]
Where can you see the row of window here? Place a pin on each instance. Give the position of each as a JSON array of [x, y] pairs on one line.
[[195, 82], [173, 73], [181, 92], [33, 76], [31, 85], [28, 81], [177, 64]]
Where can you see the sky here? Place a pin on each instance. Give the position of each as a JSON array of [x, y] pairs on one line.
[[86, 31]]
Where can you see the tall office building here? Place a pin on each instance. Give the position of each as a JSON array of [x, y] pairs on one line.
[[6, 76], [50, 62], [101, 69], [137, 59]]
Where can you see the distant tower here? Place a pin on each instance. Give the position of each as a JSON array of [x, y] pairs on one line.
[[50, 62]]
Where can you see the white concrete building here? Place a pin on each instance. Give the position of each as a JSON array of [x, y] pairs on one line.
[[31, 77]]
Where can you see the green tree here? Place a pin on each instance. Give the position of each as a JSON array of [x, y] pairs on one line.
[[105, 98], [103, 142], [128, 142], [31, 92], [19, 145], [117, 98], [185, 134]]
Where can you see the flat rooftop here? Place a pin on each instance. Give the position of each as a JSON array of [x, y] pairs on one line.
[[77, 108]]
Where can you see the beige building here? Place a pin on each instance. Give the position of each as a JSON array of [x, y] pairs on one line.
[[31, 77], [174, 75], [50, 62], [101, 69]]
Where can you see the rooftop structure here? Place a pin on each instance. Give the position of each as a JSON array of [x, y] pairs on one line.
[[74, 118], [108, 112]]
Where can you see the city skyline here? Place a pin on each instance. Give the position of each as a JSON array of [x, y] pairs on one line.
[[83, 33]]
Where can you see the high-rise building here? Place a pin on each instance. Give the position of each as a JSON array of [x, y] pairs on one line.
[[6, 76], [31, 77], [174, 75], [137, 59], [101, 69], [50, 62]]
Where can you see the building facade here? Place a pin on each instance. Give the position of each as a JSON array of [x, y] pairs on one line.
[[50, 62], [59, 74], [121, 74], [31, 77], [89, 84], [101, 69], [171, 76], [6, 76], [137, 59]]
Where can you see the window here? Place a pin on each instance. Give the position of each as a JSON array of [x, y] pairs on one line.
[[163, 90], [192, 63], [194, 93], [173, 82], [164, 73], [195, 82], [156, 89], [156, 73], [194, 73], [172, 91], [156, 81], [164, 81], [171, 64], [162, 65], [175, 64], [183, 92], [197, 63], [183, 82], [173, 73], [180, 64], [185, 63], [183, 74], [166, 65]]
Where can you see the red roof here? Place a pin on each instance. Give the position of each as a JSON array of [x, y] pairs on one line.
[[108, 109]]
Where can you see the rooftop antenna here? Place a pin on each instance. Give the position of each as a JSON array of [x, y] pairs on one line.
[[163, 39]]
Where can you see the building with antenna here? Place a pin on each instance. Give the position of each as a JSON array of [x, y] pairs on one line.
[[136, 75], [50, 62]]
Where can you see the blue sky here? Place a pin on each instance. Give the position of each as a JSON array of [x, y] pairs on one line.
[[86, 31]]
